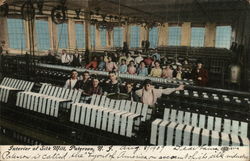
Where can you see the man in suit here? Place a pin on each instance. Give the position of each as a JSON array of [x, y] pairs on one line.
[[112, 85], [76, 59], [84, 83]]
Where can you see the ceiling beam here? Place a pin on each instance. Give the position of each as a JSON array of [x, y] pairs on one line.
[[132, 8]]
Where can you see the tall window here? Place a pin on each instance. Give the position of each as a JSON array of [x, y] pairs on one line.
[[62, 35], [103, 35], [42, 35], [223, 36], [92, 35], [153, 37], [16, 34], [197, 36], [134, 36], [118, 36], [80, 35], [174, 36]]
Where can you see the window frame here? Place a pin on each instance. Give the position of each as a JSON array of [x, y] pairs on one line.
[[157, 37], [170, 35], [77, 34], [137, 36], [103, 40], [218, 42], [202, 39], [24, 43], [36, 36], [58, 34], [120, 36]]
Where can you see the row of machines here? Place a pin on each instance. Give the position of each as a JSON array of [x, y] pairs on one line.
[[223, 103], [216, 102], [202, 99], [60, 113], [185, 128]]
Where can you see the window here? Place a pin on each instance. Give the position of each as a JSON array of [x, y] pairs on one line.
[[62, 35], [103, 35], [80, 35], [134, 36], [42, 35], [153, 37], [118, 36], [223, 36], [92, 35], [174, 36], [197, 36], [16, 34]]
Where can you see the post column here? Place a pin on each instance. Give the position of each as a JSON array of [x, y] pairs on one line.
[[186, 34], [210, 35], [4, 31], [87, 31], [163, 35]]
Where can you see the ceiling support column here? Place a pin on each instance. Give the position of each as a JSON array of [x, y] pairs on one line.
[[210, 34]]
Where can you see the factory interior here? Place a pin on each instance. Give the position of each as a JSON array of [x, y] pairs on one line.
[[125, 72]]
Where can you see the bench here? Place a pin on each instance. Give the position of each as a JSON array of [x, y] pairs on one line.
[[10, 85], [206, 122], [111, 120], [122, 105], [49, 100], [171, 133]]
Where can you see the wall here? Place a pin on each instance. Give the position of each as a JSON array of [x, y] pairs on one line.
[[144, 34]]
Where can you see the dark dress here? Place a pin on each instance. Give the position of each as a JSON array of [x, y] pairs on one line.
[[125, 47], [203, 74], [76, 60], [80, 84]]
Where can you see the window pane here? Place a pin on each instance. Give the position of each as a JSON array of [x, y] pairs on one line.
[[223, 36], [42, 35], [92, 35], [16, 34], [134, 36], [80, 35], [103, 35], [153, 37], [174, 36], [62, 35], [118, 36], [197, 36]]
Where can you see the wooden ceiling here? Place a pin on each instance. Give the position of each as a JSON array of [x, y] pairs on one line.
[[222, 11]]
